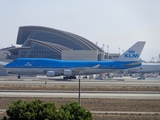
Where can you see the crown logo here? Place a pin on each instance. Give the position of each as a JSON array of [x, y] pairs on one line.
[[131, 51], [28, 64]]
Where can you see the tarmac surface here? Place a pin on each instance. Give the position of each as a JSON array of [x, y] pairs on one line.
[[63, 94], [124, 81], [110, 112], [40, 80]]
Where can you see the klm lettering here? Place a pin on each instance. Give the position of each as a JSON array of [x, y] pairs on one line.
[[131, 55]]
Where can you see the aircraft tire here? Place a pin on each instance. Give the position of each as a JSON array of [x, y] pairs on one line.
[[70, 77], [19, 76]]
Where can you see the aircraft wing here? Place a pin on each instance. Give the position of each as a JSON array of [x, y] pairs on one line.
[[3, 63], [96, 66], [85, 68]]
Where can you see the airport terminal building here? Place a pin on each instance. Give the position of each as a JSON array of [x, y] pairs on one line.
[[43, 42]]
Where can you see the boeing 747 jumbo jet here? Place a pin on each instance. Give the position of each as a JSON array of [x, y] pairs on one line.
[[70, 68]]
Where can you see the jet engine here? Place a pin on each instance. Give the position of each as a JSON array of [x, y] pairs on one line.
[[51, 73], [67, 72]]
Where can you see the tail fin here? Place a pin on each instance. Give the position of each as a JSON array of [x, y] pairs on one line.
[[133, 53]]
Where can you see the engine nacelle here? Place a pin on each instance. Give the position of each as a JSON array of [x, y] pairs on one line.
[[67, 72], [51, 73]]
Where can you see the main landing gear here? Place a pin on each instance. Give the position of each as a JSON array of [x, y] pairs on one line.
[[69, 77], [18, 76]]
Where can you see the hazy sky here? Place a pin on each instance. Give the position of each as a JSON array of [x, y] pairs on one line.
[[117, 23]]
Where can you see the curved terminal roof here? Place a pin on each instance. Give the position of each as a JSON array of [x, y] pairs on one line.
[[25, 31], [57, 48], [14, 51]]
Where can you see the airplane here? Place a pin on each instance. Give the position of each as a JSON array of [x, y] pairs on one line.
[[70, 68], [145, 68]]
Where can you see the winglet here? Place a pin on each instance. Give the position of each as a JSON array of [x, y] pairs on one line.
[[133, 53]]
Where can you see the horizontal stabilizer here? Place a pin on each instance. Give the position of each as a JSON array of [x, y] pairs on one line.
[[133, 53], [3, 63]]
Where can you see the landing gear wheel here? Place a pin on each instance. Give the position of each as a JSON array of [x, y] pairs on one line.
[[19, 76], [70, 77]]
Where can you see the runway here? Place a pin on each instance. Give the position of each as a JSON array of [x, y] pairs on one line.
[[125, 81], [111, 112], [87, 94]]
